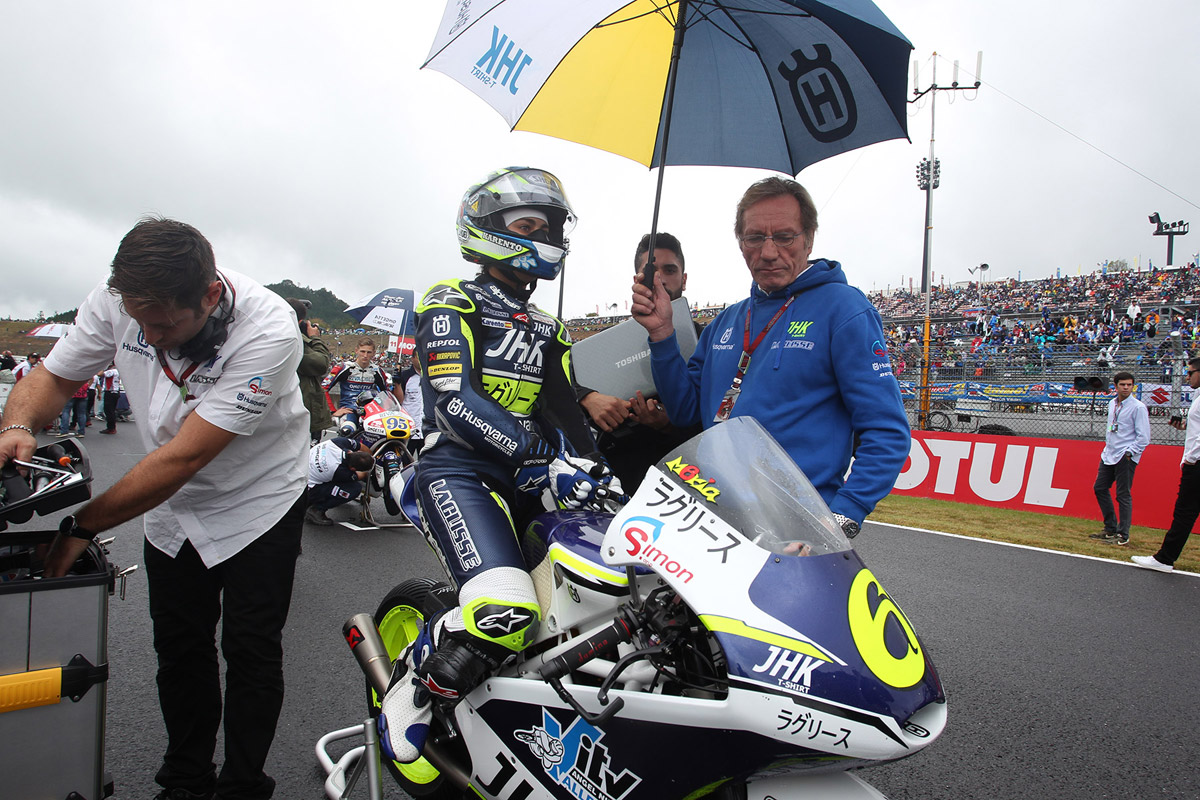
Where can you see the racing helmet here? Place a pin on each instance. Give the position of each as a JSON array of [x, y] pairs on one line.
[[484, 237]]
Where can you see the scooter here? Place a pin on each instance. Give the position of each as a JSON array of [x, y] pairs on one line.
[[718, 636]]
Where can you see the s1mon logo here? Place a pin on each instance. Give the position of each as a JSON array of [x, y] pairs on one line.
[[641, 533], [256, 387]]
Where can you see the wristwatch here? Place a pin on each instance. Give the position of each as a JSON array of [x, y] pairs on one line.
[[70, 527], [848, 526]]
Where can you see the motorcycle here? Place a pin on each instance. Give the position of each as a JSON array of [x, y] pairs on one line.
[[717, 636], [383, 425]]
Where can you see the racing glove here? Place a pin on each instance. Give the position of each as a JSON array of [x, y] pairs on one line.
[[573, 481]]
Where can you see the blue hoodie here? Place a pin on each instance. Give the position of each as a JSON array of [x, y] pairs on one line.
[[820, 376]]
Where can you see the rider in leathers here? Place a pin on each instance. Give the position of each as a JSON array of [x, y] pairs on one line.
[[502, 425]]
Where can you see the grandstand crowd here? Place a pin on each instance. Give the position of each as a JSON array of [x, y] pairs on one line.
[[1109, 320], [1106, 320]]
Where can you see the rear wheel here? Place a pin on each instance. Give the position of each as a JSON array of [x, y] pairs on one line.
[[400, 618]]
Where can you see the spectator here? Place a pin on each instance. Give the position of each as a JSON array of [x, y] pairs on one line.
[[313, 366], [1126, 437], [221, 489], [637, 431], [803, 354], [412, 400], [25, 367], [1187, 502], [110, 381], [77, 407]]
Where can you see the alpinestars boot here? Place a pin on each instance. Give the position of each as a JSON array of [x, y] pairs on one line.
[[443, 663]]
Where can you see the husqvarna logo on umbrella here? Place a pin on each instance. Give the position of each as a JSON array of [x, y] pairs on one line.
[[822, 94]]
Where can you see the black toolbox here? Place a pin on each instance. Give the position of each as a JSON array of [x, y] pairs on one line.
[[53, 642]]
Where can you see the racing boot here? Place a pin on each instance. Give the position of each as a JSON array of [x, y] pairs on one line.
[[444, 662]]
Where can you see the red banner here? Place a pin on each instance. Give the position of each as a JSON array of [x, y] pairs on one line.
[[1050, 476]]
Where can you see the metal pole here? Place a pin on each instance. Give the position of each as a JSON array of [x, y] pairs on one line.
[[927, 257], [672, 71]]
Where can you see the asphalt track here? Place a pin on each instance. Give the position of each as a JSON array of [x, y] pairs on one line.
[[1067, 677]]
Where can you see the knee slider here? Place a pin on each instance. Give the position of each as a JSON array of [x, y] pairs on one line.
[[507, 623]]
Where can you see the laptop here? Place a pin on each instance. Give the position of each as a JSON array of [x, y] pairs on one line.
[[616, 361]]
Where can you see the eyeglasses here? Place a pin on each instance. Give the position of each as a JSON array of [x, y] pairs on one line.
[[757, 240], [1190, 371]]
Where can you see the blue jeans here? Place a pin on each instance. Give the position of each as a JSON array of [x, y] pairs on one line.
[[1122, 474], [78, 406]]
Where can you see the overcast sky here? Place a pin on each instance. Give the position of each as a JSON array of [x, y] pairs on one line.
[[306, 143]]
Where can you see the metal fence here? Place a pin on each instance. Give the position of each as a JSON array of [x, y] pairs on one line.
[[1027, 391]]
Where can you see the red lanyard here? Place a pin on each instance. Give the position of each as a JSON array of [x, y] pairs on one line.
[[180, 382], [748, 348]]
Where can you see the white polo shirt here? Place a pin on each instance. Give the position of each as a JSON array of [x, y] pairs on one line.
[[249, 388]]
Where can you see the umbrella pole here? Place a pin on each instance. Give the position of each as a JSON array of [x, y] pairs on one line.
[[672, 70]]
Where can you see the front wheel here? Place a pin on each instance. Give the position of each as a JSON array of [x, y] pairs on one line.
[[400, 618]]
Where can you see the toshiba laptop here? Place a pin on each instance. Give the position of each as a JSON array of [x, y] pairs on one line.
[[617, 361]]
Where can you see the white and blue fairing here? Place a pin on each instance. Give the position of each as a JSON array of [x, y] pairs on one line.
[[732, 524]]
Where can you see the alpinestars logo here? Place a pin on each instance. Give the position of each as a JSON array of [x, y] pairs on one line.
[[503, 622], [576, 760]]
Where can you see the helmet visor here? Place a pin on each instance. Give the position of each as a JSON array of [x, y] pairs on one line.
[[522, 187]]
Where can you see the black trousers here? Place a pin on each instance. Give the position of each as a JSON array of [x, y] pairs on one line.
[[1122, 474], [252, 591], [110, 410], [1187, 509]]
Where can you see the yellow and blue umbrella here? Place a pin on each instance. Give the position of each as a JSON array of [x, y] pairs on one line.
[[774, 84]]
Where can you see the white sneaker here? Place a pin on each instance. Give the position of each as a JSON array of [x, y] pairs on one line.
[[1150, 562]]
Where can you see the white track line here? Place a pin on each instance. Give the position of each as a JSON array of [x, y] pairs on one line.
[[1126, 563]]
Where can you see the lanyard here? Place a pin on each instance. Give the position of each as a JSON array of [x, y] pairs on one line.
[[748, 348], [180, 382]]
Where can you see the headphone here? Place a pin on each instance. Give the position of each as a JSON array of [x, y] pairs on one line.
[[205, 344]]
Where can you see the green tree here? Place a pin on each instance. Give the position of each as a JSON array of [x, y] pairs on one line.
[[327, 308]]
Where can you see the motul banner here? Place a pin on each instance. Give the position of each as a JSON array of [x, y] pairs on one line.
[[401, 345], [1050, 476]]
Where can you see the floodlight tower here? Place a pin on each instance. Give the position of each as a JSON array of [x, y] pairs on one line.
[[1169, 230], [929, 173]]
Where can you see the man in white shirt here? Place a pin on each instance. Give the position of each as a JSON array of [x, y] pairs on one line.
[[209, 361], [1187, 504], [1126, 436], [336, 469]]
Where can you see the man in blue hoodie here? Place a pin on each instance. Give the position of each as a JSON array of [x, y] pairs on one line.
[[804, 355]]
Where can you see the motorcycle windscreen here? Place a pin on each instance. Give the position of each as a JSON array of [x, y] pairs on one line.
[[732, 524]]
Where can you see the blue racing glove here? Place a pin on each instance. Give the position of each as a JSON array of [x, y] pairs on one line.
[[573, 481]]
